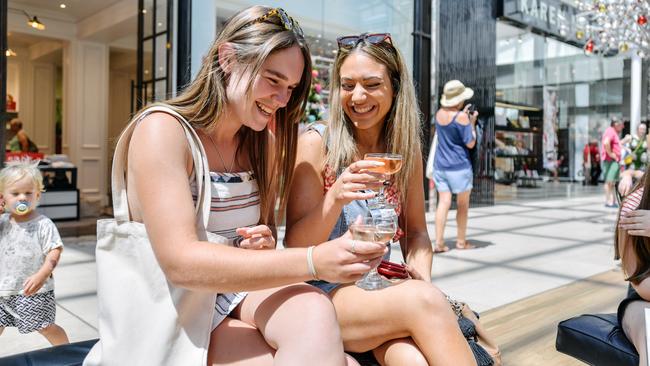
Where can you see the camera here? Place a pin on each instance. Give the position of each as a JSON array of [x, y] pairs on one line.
[[471, 109]]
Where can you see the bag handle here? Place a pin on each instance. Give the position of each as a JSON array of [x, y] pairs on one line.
[[201, 170]]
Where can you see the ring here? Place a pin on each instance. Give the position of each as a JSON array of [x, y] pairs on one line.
[[354, 243]]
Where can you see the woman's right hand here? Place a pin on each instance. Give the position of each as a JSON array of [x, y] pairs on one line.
[[354, 179], [472, 116], [344, 260]]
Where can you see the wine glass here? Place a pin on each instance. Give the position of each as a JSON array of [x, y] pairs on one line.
[[392, 165], [381, 228]]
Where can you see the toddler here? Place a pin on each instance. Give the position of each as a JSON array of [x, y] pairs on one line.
[[30, 247]]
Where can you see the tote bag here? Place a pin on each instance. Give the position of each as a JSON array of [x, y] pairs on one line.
[[143, 318], [432, 156]]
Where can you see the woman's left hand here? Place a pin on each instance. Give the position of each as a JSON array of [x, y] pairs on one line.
[[256, 237], [415, 275], [636, 222]]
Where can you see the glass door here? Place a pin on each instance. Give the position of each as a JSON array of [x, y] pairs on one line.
[[154, 52]]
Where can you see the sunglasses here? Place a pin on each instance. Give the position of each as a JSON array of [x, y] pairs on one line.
[[347, 42], [287, 21]]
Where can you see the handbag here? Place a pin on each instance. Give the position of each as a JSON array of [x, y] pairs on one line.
[[485, 349], [432, 155], [143, 318]]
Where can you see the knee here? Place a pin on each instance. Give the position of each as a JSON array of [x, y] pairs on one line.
[[313, 307], [426, 301], [47, 330], [633, 321], [444, 201]]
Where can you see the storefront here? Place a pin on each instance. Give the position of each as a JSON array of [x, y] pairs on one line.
[[551, 98]]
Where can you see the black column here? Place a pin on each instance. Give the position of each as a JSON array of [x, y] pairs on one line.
[[3, 77], [184, 46], [467, 52], [422, 73]]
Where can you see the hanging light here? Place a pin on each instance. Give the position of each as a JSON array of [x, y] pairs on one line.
[[10, 53], [34, 22]]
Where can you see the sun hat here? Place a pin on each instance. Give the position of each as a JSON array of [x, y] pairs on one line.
[[454, 93]]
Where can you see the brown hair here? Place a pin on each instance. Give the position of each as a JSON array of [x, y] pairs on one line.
[[639, 245], [203, 100]]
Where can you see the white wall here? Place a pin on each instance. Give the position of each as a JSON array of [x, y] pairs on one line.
[[32, 85]]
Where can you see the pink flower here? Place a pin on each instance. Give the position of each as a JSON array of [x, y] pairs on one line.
[[314, 73], [318, 88]]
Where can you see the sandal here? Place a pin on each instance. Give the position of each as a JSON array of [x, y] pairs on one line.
[[440, 249], [464, 245]]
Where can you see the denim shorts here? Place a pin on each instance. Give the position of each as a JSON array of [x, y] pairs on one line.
[[456, 181]]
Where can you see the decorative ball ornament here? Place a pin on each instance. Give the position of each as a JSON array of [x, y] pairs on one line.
[[613, 26]]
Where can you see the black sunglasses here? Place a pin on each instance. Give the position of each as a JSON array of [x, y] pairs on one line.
[[287, 21], [372, 38]]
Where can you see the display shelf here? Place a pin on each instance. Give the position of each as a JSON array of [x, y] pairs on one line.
[[60, 201]]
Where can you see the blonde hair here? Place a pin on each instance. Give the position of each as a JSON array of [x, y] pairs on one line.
[[19, 169], [404, 139], [203, 100]]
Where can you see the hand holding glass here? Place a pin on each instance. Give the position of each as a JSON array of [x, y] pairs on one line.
[[379, 229]]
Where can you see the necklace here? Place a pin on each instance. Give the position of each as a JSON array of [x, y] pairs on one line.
[[234, 157]]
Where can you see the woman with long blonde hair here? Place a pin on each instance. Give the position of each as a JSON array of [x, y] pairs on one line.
[[374, 110], [257, 70]]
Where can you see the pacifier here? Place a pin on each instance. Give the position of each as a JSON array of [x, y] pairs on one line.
[[22, 208]]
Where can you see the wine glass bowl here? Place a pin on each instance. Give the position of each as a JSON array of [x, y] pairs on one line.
[[392, 162], [392, 165], [380, 229]]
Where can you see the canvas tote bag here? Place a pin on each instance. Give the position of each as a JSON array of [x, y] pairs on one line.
[[144, 319]]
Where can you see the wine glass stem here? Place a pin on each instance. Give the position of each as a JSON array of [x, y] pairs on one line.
[[380, 198]]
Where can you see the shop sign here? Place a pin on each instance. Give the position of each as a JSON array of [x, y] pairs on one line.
[[552, 17]]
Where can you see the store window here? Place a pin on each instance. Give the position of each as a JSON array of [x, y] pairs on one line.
[[552, 99], [323, 21]]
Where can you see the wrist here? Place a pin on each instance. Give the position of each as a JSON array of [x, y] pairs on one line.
[[311, 268]]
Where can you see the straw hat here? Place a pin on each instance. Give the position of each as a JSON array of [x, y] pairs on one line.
[[454, 93]]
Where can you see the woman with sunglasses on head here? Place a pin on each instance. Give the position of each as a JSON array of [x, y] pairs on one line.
[[374, 110], [257, 70]]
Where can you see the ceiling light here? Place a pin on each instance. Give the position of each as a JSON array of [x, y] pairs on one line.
[[62, 6], [34, 22], [9, 53]]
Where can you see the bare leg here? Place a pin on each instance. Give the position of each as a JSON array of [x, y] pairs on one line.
[[237, 343], [298, 321], [462, 202], [2, 329], [634, 328], [369, 319], [609, 193], [55, 335], [400, 352], [444, 203]]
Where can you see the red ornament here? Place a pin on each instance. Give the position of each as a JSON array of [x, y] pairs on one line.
[[642, 20], [589, 47]]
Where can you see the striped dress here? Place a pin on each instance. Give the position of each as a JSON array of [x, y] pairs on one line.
[[235, 204]]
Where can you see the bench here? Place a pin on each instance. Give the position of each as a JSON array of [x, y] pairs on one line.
[[596, 339], [73, 354]]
